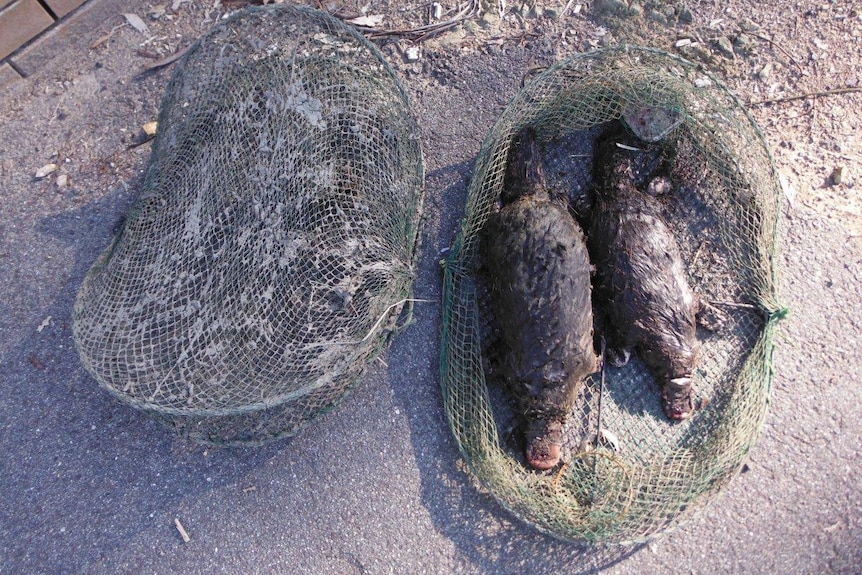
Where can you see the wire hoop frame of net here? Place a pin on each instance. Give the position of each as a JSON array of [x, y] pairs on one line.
[[271, 250], [640, 475]]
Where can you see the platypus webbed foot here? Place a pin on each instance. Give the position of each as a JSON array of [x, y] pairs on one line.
[[676, 398], [544, 441]]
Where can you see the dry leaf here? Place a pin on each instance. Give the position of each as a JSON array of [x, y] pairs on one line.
[[45, 170], [170, 59], [135, 21], [106, 37], [150, 128], [367, 21], [788, 189]]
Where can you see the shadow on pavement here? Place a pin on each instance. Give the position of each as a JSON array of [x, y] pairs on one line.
[[82, 474]]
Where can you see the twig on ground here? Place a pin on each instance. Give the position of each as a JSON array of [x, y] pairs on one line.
[[134, 145], [167, 59], [774, 44], [107, 36], [183, 533], [420, 33], [807, 95]]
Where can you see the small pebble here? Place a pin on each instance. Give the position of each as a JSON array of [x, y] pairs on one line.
[[612, 6], [685, 16], [744, 43], [412, 53], [765, 71], [701, 52], [488, 21], [62, 180], [656, 16], [45, 170], [748, 26], [436, 10], [837, 176], [724, 46]]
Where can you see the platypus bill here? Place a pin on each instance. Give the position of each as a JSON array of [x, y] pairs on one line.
[[641, 286], [538, 272]]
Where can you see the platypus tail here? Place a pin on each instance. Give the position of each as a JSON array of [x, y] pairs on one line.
[[525, 174]]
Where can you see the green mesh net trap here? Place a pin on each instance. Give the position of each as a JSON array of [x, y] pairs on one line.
[[271, 250], [627, 472]]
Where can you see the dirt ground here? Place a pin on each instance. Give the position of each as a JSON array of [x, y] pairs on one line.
[[90, 486]]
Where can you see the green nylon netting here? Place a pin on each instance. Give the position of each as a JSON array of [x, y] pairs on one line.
[[723, 211], [272, 247]]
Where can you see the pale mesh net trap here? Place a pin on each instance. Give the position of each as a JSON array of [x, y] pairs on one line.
[[271, 250], [628, 473]]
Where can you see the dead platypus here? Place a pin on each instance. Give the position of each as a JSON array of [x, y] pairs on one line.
[[538, 272], [641, 288]]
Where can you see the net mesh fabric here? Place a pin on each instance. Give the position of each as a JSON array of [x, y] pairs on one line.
[[271, 249], [637, 475]]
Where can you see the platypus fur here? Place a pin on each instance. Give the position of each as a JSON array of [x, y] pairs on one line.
[[538, 272], [641, 288]]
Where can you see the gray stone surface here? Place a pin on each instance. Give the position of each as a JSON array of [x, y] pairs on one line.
[[70, 39], [90, 486], [7, 75]]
